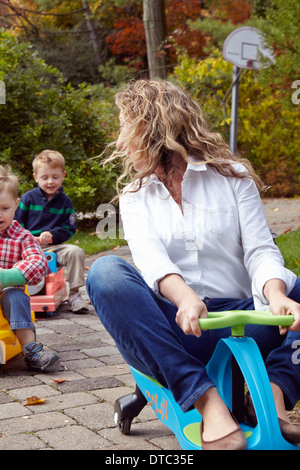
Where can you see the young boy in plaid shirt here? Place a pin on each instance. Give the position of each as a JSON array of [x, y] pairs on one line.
[[22, 261]]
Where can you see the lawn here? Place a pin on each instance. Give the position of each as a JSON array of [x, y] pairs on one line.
[[289, 245], [92, 244]]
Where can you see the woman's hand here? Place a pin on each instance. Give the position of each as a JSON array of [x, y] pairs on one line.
[[280, 304], [190, 309], [190, 306]]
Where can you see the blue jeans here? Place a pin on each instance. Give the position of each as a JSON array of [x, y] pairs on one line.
[[146, 334], [15, 305]]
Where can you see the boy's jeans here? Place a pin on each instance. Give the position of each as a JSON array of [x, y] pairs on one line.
[[146, 334], [15, 305]]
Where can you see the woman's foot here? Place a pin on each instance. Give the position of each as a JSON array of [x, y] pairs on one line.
[[235, 440], [289, 431], [219, 429]]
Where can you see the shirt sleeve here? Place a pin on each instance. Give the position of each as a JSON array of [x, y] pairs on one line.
[[262, 258], [33, 265], [149, 253]]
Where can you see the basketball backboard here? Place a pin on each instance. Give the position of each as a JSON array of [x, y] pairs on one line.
[[243, 48]]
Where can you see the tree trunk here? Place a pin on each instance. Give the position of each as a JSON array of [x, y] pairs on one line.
[[93, 35], [155, 29]]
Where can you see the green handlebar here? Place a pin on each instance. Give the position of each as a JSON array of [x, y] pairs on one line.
[[237, 319]]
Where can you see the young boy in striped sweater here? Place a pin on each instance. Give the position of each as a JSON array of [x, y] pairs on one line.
[[48, 213]]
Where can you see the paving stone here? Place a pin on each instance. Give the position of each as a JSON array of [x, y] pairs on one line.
[[34, 422], [89, 384], [141, 433], [71, 329], [22, 442], [10, 410], [88, 337], [107, 370], [73, 438], [55, 377], [74, 345], [5, 398], [40, 391], [63, 402], [112, 394], [95, 417], [81, 364], [101, 351], [112, 359], [54, 338], [71, 355], [90, 322]]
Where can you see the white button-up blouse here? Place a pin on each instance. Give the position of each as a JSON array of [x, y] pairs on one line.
[[219, 242]]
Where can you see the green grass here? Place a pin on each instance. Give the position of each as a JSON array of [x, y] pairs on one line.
[[92, 244], [289, 245]]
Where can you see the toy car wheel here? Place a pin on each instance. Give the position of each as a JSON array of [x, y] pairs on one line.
[[123, 424]]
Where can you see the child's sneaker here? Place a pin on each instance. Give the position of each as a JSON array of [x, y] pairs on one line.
[[38, 358], [77, 303]]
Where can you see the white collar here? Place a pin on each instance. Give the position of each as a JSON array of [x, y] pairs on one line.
[[196, 165], [192, 165]]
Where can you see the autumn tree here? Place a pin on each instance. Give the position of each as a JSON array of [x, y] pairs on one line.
[[77, 36], [66, 33], [269, 107], [156, 31]]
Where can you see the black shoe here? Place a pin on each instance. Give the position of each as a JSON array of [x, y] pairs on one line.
[[37, 358], [289, 431]]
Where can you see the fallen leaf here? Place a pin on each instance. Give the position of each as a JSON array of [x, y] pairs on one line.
[[116, 248], [35, 401], [276, 209], [59, 381]]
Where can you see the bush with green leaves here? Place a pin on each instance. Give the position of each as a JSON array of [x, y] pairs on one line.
[[40, 112]]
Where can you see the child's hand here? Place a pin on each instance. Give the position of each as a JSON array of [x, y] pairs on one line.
[[45, 238]]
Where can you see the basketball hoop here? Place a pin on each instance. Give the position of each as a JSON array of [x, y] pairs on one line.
[[245, 48]]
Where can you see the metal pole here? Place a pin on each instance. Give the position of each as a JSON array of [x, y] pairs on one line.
[[234, 109]]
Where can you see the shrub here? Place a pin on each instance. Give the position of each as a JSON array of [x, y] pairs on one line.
[[40, 112]]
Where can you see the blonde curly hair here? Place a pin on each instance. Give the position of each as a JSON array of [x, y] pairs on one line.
[[163, 121]]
